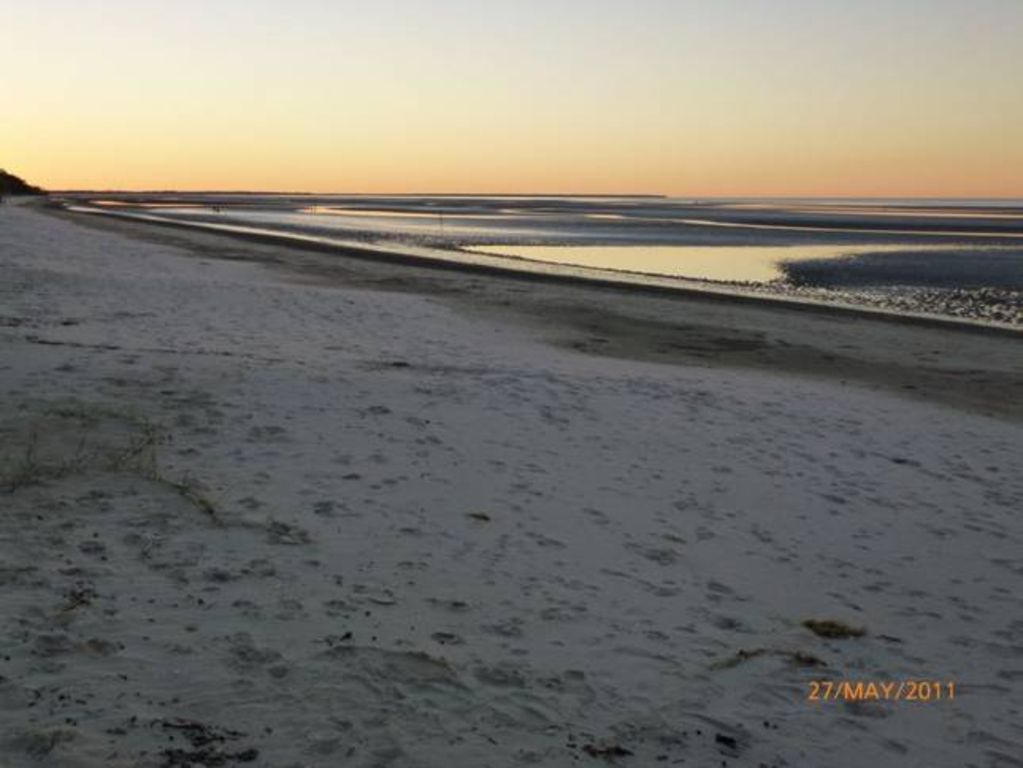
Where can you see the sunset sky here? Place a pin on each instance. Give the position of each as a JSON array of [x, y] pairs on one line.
[[684, 97]]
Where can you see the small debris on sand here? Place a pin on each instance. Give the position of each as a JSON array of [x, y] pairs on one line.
[[833, 630]]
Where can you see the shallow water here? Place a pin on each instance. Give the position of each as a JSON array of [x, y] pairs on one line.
[[947, 243], [750, 263]]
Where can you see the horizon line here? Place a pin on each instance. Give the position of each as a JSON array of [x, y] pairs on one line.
[[661, 195]]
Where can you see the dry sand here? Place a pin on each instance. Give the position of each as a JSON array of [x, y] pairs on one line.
[[275, 508]]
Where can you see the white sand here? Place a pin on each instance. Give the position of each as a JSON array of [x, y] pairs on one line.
[[635, 525]]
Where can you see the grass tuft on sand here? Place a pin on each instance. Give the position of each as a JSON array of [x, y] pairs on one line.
[[104, 439]]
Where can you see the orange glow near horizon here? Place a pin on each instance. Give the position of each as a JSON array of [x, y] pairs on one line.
[[791, 98]]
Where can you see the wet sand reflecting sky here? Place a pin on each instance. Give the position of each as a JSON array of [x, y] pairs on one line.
[[722, 240]]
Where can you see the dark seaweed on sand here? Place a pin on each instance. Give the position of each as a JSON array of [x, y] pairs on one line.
[[833, 630]]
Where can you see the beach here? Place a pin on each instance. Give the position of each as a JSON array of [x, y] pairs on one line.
[[274, 506]]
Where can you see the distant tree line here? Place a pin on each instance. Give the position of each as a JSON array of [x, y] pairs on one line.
[[12, 185]]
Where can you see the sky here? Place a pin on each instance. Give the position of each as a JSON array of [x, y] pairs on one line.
[[677, 97]]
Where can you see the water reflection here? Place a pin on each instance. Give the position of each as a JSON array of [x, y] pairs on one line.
[[324, 210], [661, 239], [750, 263]]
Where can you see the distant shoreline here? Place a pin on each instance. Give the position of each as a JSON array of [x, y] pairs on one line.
[[997, 199], [251, 193]]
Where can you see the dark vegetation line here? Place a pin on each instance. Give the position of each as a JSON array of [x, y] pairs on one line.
[[14, 185]]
